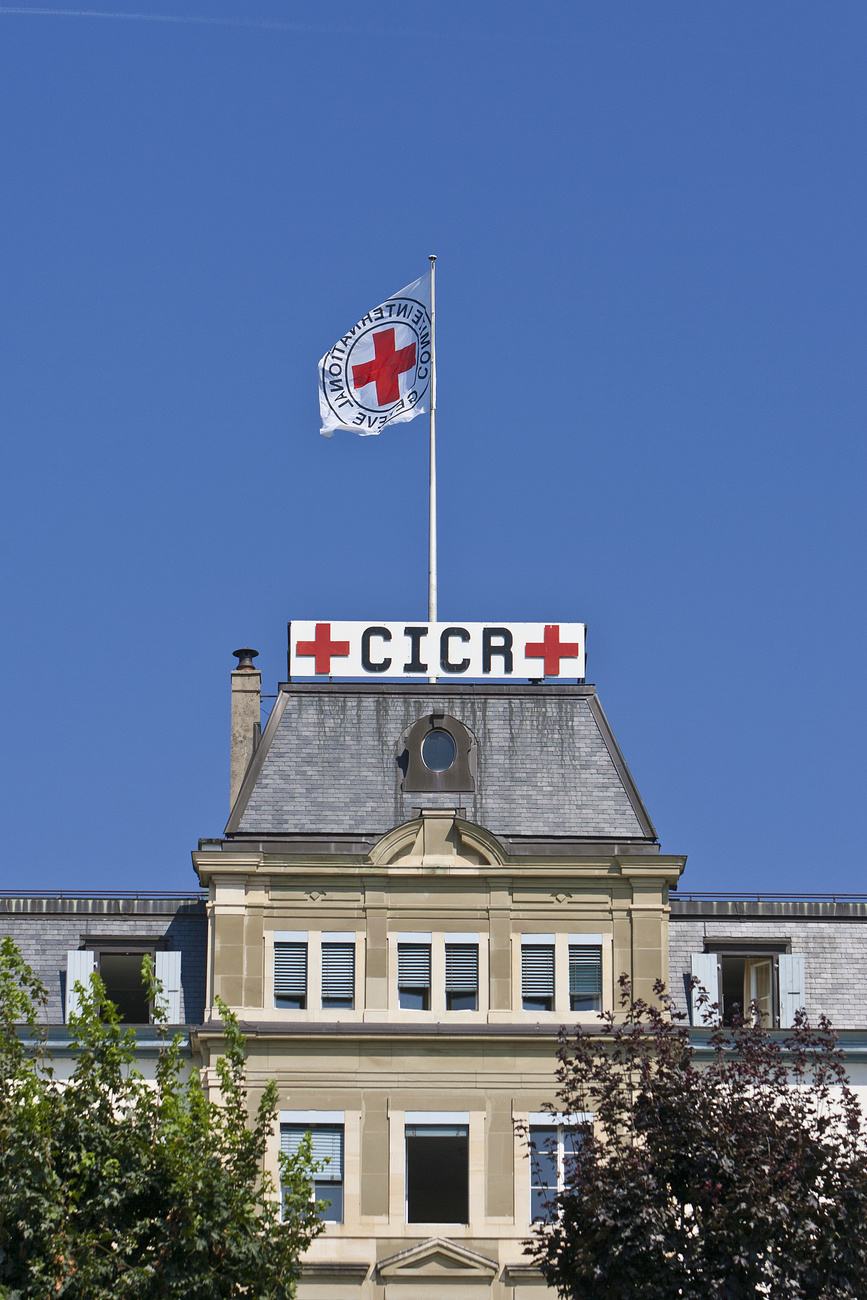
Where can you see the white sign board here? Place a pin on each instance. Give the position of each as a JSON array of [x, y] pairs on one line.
[[488, 650]]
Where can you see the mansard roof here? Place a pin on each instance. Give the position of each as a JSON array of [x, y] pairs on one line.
[[547, 766]]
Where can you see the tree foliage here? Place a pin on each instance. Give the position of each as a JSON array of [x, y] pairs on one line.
[[112, 1185], [745, 1176]]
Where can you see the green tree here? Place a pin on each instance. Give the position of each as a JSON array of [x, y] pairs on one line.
[[112, 1185], [742, 1177]]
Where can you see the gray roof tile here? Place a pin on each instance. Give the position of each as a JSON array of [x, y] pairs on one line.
[[547, 764]]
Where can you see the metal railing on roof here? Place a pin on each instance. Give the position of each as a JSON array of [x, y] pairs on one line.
[[769, 896], [192, 894]]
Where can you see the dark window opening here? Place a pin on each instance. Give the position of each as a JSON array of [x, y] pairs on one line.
[[461, 1001], [413, 976], [437, 1173], [121, 973], [745, 980]]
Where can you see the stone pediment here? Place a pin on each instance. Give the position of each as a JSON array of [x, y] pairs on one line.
[[438, 838], [438, 1258]]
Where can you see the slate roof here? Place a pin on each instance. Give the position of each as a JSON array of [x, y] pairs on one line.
[[548, 764]]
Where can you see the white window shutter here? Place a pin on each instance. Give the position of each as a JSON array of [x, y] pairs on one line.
[[791, 968], [79, 966], [704, 967], [167, 967]]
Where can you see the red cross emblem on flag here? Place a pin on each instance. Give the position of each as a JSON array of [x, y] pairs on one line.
[[388, 364], [380, 371]]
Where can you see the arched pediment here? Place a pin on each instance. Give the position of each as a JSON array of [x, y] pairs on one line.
[[438, 838]]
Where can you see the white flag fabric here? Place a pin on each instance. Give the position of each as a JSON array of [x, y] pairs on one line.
[[380, 372]]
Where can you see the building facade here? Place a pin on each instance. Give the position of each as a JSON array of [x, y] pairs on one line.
[[418, 884], [416, 887]]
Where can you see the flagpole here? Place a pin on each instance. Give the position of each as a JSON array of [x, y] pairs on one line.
[[432, 536]]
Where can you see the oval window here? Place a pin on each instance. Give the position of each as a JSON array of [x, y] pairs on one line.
[[438, 751]]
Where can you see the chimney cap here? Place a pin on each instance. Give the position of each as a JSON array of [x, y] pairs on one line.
[[245, 657]]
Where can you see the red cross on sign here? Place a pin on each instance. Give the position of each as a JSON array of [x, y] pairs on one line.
[[552, 650], [386, 367], [322, 648]]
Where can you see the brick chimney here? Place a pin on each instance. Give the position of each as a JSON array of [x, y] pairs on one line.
[[246, 702]]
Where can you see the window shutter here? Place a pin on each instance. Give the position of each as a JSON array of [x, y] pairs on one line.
[[413, 965], [704, 966], [537, 970], [167, 967], [791, 968], [327, 1144], [290, 970], [462, 967], [585, 970], [79, 966], [338, 970]]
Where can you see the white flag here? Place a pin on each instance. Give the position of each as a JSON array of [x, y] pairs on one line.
[[380, 372]]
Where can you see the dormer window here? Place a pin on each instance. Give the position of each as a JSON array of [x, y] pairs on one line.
[[437, 754]]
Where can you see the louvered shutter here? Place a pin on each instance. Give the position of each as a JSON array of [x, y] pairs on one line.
[[338, 970], [585, 970], [327, 1144], [290, 970], [792, 973], [703, 966], [167, 967], [413, 965], [537, 970], [79, 966], [462, 967]]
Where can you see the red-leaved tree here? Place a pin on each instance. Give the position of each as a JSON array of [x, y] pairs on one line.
[[741, 1175]]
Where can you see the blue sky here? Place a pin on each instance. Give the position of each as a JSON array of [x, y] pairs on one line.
[[649, 220]]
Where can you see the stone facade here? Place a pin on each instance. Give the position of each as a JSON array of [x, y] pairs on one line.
[[376, 1065]]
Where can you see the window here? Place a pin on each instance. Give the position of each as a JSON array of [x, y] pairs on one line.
[[438, 753], [327, 1142], [290, 972], [119, 965], [413, 974], [338, 970], [537, 972], [437, 1169], [744, 980], [585, 977], [735, 975], [121, 973], [462, 976], [551, 1147]]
